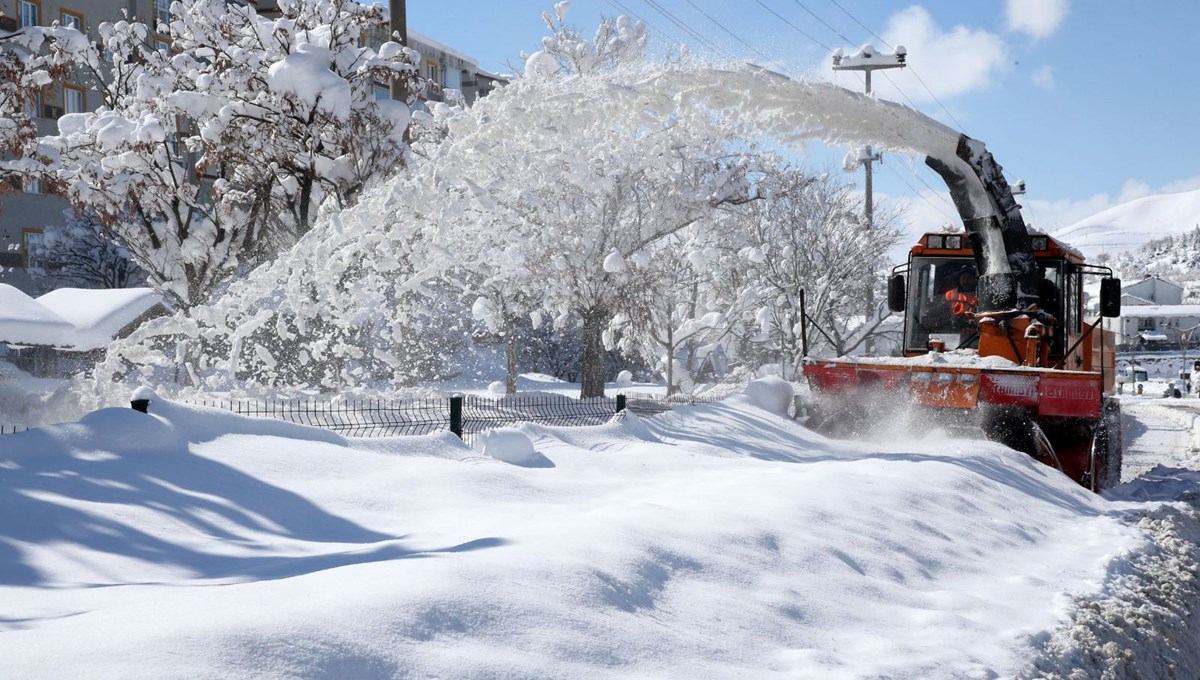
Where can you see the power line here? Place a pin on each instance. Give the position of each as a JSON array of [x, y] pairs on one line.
[[918, 193], [864, 26], [823, 23], [663, 34], [731, 33], [911, 69], [798, 29], [902, 92], [939, 102], [683, 26]]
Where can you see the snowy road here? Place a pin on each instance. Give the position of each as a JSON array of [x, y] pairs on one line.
[[1160, 432]]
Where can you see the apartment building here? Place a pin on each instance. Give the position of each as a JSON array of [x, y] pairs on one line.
[[25, 214], [448, 69]]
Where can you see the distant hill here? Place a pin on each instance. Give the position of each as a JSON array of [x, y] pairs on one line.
[[1129, 226]]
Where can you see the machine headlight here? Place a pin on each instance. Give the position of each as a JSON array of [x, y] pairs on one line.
[[953, 242], [936, 241]]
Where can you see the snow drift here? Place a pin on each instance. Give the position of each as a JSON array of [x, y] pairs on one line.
[[713, 541]]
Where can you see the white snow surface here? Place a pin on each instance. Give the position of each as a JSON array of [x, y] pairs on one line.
[[1161, 311], [98, 315], [24, 321], [1128, 226], [71, 318], [714, 541]]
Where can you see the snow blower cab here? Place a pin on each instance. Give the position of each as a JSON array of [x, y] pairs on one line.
[[938, 293], [996, 338]]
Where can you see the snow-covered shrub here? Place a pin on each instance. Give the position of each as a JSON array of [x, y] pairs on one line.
[[771, 394]]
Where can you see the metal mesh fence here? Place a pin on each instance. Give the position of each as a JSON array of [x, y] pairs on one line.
[[351, 417], [467, 416], [653, 404], [482, 413]]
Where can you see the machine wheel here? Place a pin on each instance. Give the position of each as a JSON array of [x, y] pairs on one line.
[[1017, 430], [1108, 447]]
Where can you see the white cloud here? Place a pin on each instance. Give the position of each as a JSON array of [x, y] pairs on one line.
[[1036, 18], [1044, 77], [950, 62]]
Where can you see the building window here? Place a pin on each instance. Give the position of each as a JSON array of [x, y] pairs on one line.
[[382, 93], [10, 257], [162, 12], [32, 240], [74, 99], [32, 186], [433, 73], [29, 12], [71, 19], [162, 44], [1145, 323]]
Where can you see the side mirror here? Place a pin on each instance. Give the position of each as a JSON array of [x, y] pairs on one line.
[[1110, 298], [896, 293]]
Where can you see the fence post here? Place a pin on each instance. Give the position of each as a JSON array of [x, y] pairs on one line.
[[620, 403], [456, 408]]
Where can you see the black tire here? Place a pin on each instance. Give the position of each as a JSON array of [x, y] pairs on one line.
[[1108, 446], [1012, 429]]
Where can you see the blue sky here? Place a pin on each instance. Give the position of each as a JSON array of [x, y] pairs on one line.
[[1090, 103]]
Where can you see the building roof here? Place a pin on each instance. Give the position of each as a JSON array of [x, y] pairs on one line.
[[1155, 279], [441, 47], [1162, 310], [25, 321], [98, 315], [71, 318], [1130, 298]]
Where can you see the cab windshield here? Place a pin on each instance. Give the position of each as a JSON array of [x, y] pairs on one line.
[[942, 297], [941, 294]]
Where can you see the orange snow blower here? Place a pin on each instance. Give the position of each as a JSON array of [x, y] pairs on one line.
[[995, 337]]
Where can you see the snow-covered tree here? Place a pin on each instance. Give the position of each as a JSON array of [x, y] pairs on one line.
[[548, 199], [30, 59], [602, 181], [78, 254], [221, 150], [809, 236]]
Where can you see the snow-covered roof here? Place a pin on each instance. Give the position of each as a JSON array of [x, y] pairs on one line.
[[25, 321], [1163, 310], [1131, 299], [99, 315], [71, 318], [441, 47]]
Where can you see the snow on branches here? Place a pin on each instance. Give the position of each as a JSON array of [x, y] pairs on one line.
[[31, 59], [611, 193], [220, 151]]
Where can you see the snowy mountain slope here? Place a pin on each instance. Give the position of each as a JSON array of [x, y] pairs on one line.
[[1126, 227], [714, 541]]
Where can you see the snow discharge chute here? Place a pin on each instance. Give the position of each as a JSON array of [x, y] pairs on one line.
[[767, 103]]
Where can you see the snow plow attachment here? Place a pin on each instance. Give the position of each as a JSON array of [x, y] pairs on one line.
[[1059, 417]]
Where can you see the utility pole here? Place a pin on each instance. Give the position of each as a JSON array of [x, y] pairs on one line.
[[868, 60], [399, 25]]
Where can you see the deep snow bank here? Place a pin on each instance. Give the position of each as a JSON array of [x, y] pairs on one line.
[[714, 541], [1146, 621]]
